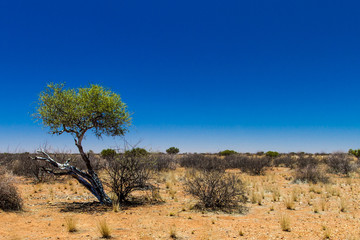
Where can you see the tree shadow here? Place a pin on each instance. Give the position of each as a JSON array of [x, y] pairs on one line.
[[97, 207], [83, 207]]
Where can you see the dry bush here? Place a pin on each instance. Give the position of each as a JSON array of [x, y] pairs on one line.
[[340, 163], [202, 162], [303, 161], [164, 162], [10, 199], [311, 173], [254, 165], [285, 160], [127, 173], [216, 190]]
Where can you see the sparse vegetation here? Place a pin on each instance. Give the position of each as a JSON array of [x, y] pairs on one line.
[[269, 194]]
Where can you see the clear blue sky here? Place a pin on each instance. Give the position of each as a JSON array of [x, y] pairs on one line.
[[203, 76]]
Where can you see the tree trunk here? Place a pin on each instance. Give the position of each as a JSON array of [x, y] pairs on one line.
[[88, 179]]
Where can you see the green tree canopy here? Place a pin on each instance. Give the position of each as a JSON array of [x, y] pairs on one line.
[[355, 152], [172, 150], [272, 154], [76, 111], [136, 152], [227, 152], [108, 153]]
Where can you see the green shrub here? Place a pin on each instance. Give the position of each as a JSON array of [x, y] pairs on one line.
[[227, 152], [136, 152], [172, 150], [272, 154], [108, 153], [355, 152]]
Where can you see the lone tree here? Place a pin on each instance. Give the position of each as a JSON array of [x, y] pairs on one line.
[[172, 150], [76, 111]]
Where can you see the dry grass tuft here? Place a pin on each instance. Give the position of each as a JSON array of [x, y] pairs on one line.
[[289, 203], [104, 229], [173, 234], [344, 206], [71, 224], [285, 223]]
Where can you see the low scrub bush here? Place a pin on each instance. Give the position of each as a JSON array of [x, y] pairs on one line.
[[200, 161], [285, 160], [21, 164], [340, 163], [254, 165], [164, 162], [302, 161], [216, 190], [129, 172], [10, 199], [311, 173]]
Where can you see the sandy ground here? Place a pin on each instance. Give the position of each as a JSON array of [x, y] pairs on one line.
[[317, 212]]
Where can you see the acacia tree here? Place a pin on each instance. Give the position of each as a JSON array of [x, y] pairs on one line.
[[76, 111], [172, 150]]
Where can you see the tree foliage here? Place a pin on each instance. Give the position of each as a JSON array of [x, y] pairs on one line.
[[272, 154], [172, 150], [77, 110], [108, 153], [227, 152], [136, 152], [355, 152]]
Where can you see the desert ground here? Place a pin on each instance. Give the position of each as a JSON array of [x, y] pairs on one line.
[[311, 211]]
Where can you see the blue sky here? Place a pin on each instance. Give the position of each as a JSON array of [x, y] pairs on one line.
[[203, 76]]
